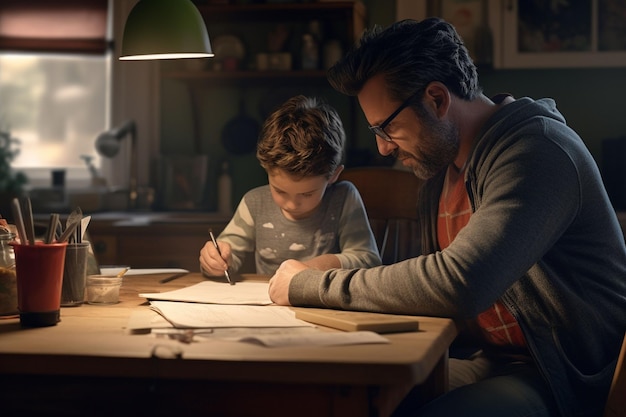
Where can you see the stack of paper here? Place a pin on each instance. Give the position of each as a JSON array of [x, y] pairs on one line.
[[239, 312], [213, 316], [211, 304]]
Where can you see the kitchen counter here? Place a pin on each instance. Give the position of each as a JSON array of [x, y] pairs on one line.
[[141, 218], [164, 239], [152, 239]]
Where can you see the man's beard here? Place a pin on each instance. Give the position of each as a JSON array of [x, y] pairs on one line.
[[436, 148]]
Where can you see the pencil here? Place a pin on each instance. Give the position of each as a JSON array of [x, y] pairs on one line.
[[226, 274], [19, 221], [172, 277], [52, 225]]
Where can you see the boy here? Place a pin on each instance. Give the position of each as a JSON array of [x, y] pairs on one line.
[[303, 213]]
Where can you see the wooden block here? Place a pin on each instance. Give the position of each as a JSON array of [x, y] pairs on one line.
[[352, 321]]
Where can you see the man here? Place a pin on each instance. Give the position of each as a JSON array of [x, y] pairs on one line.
[[521, 245]]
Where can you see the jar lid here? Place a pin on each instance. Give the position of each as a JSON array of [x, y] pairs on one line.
[[103, 280]]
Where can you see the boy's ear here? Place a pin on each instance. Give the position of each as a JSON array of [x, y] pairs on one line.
[[336, 174]]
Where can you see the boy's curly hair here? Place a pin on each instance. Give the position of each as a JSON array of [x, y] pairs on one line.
[[303, 138]]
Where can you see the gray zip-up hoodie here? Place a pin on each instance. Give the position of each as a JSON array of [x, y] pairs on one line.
[[543, 238]]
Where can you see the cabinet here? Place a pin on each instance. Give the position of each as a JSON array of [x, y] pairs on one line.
[[587, 33]]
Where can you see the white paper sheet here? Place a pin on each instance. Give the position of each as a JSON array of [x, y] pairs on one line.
[[114, 270], [199, 315], [245, 292]]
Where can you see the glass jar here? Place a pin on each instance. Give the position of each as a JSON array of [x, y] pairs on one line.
[[8, 281]]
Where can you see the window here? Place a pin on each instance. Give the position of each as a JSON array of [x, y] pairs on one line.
[[56, 105], [54, 84]]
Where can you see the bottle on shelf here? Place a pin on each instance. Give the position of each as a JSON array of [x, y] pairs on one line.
[[310, 52]]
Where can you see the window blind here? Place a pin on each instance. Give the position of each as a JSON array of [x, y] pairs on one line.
[[64, 26]]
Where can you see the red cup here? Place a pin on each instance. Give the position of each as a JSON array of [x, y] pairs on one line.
[[39, 270]]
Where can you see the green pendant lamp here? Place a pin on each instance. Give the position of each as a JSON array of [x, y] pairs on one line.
[[165, 29]]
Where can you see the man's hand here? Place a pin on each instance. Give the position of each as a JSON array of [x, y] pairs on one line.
[[279, 283]]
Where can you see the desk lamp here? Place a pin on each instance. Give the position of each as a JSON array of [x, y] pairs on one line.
[[108, 145], [165, 29]]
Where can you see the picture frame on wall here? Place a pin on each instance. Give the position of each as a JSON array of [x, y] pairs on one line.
[[468, 18], [582, 33]]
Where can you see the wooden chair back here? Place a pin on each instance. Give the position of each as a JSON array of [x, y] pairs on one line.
[[616, 401], [390, 198]]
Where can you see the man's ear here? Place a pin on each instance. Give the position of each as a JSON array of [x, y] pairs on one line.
[[336, 174], [437, 97]]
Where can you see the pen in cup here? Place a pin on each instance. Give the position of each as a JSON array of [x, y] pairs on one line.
[[52, 226], [29, 223], [19, 221], [122, 272], [226, 274]]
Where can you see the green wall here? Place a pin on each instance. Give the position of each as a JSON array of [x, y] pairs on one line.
[[590, 99]]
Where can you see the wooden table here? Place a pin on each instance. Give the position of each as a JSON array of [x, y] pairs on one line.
[[89, 365]]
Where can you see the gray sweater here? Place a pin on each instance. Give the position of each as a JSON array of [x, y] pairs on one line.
[[543, 238], [338, 226]]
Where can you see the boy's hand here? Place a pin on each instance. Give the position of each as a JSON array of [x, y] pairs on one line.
[[279, 283], [210, 260]]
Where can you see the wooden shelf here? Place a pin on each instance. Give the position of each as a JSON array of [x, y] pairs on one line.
[[280, 11], [240, 75], [340, 21]]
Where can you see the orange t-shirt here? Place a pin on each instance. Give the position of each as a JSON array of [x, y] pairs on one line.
[[497, 324]]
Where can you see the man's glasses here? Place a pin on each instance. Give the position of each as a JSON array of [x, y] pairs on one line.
[[379, 130]]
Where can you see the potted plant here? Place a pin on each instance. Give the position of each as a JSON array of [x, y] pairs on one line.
[[11, 182]]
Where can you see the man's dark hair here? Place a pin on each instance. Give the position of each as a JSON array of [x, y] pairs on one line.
[[410, 54]]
